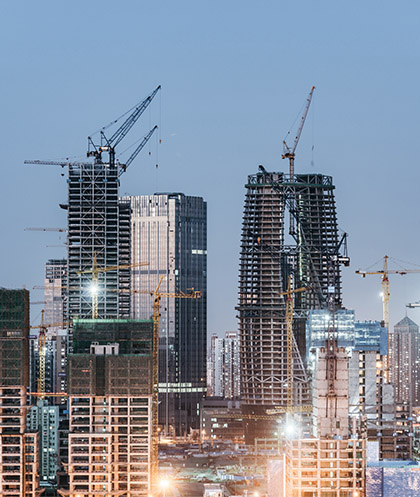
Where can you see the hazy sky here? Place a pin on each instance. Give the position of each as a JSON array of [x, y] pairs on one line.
[[234, 76]]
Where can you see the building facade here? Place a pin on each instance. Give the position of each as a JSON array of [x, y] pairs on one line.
[[18, 444], [110, 408], [404, 361], [169, 231], [44, 419], [225, 374]]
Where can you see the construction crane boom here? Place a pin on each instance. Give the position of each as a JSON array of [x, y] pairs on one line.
[[413, 305], [109, 145], [146, 138], [289, 153], [95, 278]]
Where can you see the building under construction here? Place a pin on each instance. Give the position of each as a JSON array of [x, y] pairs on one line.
[[289, 229], [110, 405], [18, 446], [98, 223]]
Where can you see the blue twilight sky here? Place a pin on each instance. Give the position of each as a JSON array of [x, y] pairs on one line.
[[234, 76]]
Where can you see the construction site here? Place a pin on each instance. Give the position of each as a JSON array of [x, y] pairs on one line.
[[109, 398]]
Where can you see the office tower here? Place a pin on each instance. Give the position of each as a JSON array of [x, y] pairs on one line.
[[55, 292], [225, 366], [110, 402], [404, 363], [169, 231], [98, 224], [269, 255], [18, 445], [44, 419]]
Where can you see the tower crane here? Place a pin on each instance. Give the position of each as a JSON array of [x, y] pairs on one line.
[[94, 288], [289, 153], [42, 341], [289, 322], [109, 145], [413, 305], [385, 272]]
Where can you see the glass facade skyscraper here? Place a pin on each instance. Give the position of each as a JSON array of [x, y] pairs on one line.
[[169, 232]]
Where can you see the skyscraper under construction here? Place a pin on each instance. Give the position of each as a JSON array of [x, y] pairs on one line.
[[270, 253]]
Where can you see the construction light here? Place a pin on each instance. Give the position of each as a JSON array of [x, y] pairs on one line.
[[164, 483], [93, 289], [290, 428]]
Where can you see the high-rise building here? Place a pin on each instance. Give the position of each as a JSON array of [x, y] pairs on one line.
[[98, 225], [18, 444], [169, 232], [269, 255], [225, 366], [55, 292], [44, 419], [110, 404], [404, 361]]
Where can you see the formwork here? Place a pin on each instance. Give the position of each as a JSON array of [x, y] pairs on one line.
[[14, 331], [97, 223]]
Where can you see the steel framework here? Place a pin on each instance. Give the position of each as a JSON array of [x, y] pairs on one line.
[[266, 263]]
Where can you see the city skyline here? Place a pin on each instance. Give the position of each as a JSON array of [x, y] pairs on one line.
[[236, 104]]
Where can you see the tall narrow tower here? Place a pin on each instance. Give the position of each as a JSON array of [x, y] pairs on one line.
[[169, 231]]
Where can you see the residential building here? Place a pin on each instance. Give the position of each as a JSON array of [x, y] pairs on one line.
[[225, 366], [169, 232], [44, 419]]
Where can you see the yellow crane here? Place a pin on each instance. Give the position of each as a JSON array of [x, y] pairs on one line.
[[42, 342], [157, 296], [289, 323], [94, 288], [384, 273]]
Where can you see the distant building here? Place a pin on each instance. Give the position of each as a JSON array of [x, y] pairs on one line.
[[45, 419], [225, 367], [55, 291], [404, 361], [169, 233]]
